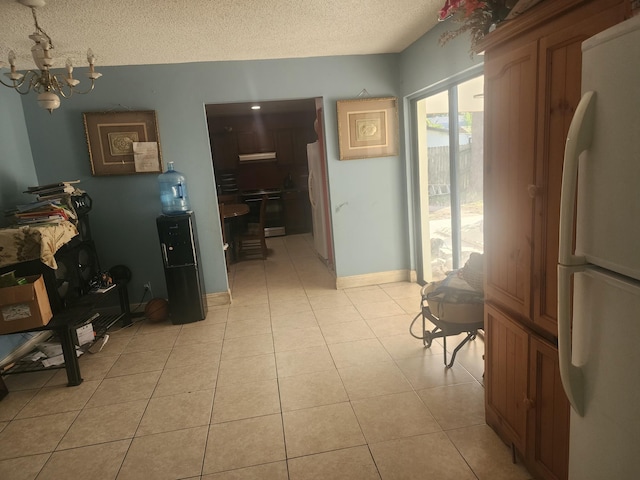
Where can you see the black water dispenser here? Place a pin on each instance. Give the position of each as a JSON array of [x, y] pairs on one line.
[[182, 267]]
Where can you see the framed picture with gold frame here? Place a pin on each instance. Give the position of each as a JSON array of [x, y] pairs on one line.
[[368, 128], [112, 136]]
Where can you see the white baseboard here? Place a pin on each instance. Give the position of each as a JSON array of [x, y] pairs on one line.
[[218, 298], [377, 278]]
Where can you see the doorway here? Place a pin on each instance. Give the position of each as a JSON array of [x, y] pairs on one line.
[[261, 148], [449, 132]]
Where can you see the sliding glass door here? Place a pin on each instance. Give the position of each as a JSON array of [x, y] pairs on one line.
[[450, 132]]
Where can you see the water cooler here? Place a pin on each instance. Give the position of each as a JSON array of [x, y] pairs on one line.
[[182, 267]]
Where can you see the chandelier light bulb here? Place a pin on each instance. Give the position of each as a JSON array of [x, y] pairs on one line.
[[72, 82]]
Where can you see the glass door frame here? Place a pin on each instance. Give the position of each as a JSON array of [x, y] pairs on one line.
[[421, 236]]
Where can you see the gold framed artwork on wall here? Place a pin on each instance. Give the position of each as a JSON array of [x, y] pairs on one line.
[[123, 142], [368, 128]]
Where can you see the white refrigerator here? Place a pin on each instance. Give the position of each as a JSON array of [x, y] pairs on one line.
[[317, 199], [599, 281]]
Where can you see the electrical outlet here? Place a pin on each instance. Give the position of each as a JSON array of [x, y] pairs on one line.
[[147, 287]]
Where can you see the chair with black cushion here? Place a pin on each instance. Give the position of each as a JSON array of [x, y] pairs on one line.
[[251, 243]]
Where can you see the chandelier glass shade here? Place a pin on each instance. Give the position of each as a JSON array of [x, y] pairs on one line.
[[48, 85]]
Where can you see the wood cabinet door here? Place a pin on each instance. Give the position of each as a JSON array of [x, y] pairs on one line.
[[224, 148], [506, 377], [255, 141], [560, 60], [284, 146], [548, 442], [510, 102]]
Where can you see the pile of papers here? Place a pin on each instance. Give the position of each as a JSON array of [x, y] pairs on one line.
[[53, 190], [45, 211], [52, 206]]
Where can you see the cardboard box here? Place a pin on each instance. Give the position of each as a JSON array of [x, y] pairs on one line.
[[23, 307]]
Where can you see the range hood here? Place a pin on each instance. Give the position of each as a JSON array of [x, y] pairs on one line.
[[257, 157]]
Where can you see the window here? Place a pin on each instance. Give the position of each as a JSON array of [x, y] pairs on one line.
[[450, 177]]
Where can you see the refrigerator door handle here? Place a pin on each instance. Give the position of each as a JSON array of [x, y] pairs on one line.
[[310, 190], [571, 375], [578, 140]]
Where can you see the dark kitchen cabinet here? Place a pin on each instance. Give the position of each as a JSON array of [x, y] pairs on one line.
[[224, 148], [284, 146], [291, 146], [256, 141]]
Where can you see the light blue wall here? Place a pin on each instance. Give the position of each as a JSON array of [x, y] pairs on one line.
[[16, 163], [16, 173], [371, 200], [367, 196], [371, 205], [426, 63]]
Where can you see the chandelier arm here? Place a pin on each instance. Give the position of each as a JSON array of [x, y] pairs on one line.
[[30, 76], [60, 86]]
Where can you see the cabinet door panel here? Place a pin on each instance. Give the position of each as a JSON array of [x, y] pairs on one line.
[[284, 146], [224, 148], [506, 373], [560, 61], [510, 92], [549, 418]]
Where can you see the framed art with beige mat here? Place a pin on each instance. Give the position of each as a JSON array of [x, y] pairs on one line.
[[367, 128], [123, 142]]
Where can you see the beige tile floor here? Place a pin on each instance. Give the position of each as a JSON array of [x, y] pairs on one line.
[[294, 380]]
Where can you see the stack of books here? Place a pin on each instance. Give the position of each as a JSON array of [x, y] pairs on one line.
[[52, 206], [45, 211], [53, 190]]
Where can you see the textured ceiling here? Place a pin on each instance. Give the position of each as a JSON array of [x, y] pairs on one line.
[[142, 32]]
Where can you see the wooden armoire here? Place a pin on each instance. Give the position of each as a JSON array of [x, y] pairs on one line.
[[532, 74]]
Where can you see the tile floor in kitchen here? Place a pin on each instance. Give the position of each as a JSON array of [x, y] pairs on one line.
[[294, 380]]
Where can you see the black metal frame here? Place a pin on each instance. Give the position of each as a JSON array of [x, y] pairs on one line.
[[443, 329], [63, 324]]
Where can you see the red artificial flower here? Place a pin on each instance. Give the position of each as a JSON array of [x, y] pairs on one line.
[[448, 6], [472, 5], [451, 5]]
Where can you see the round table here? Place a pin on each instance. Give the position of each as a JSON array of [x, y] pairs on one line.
[[231, 210]]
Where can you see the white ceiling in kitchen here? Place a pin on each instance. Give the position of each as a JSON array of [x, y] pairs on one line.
[[142, 32]]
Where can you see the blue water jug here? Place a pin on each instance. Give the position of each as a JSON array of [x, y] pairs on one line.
[[173, 192]]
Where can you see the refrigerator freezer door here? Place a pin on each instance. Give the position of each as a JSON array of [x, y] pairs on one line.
[[608, 230], [314, 157], [606, 329]]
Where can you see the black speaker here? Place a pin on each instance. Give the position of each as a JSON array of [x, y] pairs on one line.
[[77, 266], [84, 229], [81, 204]]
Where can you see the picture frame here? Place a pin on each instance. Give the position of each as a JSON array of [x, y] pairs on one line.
[[367, 128], [111, 137]]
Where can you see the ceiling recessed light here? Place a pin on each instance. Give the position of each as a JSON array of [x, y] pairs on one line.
[[255, 107]]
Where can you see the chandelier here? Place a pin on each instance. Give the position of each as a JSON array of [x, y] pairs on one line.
[[46, 84]]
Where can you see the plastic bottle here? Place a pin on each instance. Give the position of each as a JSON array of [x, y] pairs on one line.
[[173, 192]]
